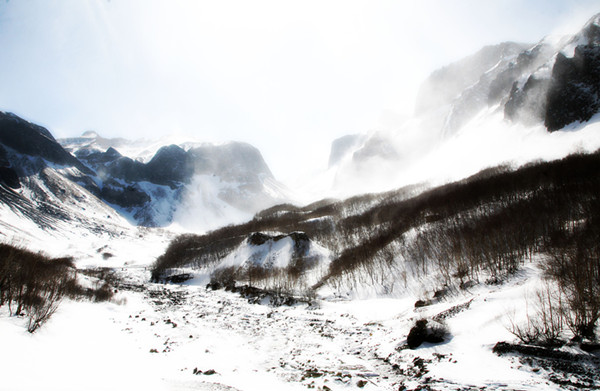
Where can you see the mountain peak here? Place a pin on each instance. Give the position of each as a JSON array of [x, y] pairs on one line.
[[34, 140]]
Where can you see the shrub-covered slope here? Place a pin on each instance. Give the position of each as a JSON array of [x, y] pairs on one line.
[[482, 227]]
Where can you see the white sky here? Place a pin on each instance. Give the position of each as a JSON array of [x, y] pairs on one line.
[[285, 76]]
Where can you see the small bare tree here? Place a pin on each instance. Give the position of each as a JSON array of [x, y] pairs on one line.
[[547, 322]]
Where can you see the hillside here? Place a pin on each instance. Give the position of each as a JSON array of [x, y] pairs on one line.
[[483, 227]]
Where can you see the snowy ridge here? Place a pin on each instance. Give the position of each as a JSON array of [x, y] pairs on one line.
[[587, 36], [273, 256]]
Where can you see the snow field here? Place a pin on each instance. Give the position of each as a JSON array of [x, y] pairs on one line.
[[183, 337]]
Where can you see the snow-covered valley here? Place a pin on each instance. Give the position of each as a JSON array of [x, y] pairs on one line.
[[183, 337]]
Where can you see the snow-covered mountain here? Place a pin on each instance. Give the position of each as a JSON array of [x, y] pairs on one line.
[[196, 185], [510, 94], [463, 254], [49, 201], [198, 188]]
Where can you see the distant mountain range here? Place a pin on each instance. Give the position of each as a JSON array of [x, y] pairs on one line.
[[215, 182]]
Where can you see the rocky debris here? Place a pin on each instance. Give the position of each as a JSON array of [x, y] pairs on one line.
[[572, 371], [208, 372], [544, 352], [423, 303], [453, 311], [256, 295], [438, 295], [178, 278], [300, 344], [301, 335]]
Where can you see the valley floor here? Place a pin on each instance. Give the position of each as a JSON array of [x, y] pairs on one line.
[[171, 337]]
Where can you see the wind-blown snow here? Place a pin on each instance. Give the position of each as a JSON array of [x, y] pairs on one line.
[[202, 207], [424, 156]]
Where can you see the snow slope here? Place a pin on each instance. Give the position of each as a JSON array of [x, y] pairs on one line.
[[60, 218]]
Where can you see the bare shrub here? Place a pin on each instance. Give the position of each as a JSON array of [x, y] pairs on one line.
[[223, 278], [104, 293], [546, 324], [577, 271], [44, 306], [33, 284]]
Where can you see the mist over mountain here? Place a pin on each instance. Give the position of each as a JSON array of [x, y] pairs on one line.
[[512, 93], [192, 186], [508, 94]]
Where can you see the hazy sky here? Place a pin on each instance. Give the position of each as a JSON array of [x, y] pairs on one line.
[[285, 76]]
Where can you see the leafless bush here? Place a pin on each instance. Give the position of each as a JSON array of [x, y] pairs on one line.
[[546, 324], [576, 268], [44, 306], [104, 293], [223, 277], [33, 284]]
